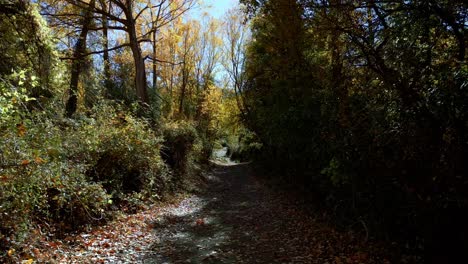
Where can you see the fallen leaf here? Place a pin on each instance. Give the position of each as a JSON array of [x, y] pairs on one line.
[[200, 222], [21, 129], [39, 160], [4, 178]]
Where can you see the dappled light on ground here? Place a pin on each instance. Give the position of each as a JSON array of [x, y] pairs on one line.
[[239, 220], [236, 218]]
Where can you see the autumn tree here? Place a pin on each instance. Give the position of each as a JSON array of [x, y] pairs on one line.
[[237, 36], [189, 56], [168, 50], [79, 55], [129, 17]]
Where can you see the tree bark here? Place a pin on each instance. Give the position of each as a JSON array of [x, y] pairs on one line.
[[140, 71], [105, 33], [77, 63], [155, 21], [183, 89], [155, 73], [185, 76]]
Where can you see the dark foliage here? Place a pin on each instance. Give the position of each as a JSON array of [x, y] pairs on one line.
[[179, 138], [365, 102]]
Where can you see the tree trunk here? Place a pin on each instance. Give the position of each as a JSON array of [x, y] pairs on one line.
[[183, 89], [77, 63], [105, 33], [155, 74], [140, 71]]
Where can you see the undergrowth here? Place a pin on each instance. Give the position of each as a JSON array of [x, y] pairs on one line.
[[65, 174]]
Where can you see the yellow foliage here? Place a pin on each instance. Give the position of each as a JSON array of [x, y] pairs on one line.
[[212, 105], [219, 107], [229, 116]]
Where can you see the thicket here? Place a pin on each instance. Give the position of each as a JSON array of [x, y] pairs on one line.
[[64, 174], [365, 103]]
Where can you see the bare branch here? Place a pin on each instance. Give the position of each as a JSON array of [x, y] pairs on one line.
[[84, 5], [96, 52], [163, 61]]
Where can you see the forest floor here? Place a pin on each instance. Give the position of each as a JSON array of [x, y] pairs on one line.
[[235, 218]]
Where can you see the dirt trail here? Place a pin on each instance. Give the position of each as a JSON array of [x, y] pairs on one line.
[[237, 220], [220, 225]]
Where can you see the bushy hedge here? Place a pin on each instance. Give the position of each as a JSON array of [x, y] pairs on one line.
[[244, 147], [38, 182], [122, 153], [71, 172], [179, 140]]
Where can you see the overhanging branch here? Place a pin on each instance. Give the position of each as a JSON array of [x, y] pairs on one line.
[[96, 52], [162, 61]]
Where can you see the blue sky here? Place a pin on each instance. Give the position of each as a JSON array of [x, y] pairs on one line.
[[216, 8]]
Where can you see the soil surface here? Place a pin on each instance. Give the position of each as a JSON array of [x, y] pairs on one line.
[[234, 218], [239, 220]]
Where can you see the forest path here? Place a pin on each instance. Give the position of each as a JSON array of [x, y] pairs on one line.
[[234, 218], [237, 219], [222, 225]]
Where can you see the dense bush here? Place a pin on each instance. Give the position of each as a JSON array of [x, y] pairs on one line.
[[70, 172], [122, 153], [37, 183], [367, 107], [244, 147], [179, 140]]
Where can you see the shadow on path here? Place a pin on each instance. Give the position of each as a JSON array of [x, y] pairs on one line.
[[219, 226], [239, 220]]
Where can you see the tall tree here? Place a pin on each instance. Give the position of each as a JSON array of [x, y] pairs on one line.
[[207, 57], [187, 66], [77, 63], [105, 45], [126, 15], [237, 36]]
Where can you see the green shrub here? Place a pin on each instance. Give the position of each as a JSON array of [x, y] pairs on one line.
[[203, 149], [179, 140], [121, 152], [69, 172], [73, 202], [38, 183], [246, 148]]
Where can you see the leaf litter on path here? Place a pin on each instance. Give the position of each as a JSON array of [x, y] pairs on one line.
[[236, 219]]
